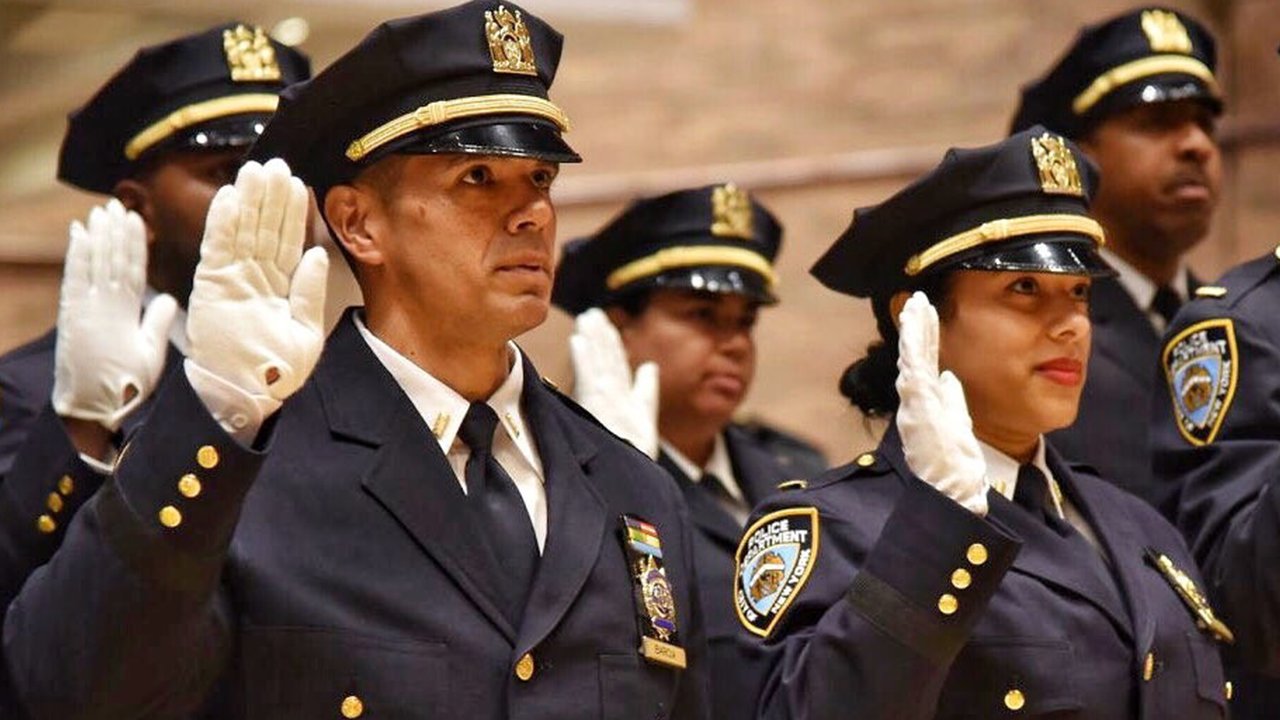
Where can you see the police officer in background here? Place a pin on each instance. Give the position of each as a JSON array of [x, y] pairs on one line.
[[160, 136], [425, 529], [965, 569], [1216, 442], [681, 279], [1139, 95]]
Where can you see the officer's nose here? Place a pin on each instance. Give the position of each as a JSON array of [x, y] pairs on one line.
[[1195, 142], [534, 213]]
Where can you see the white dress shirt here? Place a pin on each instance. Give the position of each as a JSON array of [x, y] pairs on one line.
[[443, 409], [721, 467], [1002, 473], [1143, 290]]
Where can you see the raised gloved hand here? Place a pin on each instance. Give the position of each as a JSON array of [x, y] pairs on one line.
[[603, 382], [107, 362], [933, 419], [256, 314]]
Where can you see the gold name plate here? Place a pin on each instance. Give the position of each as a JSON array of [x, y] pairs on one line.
[[664, 653]]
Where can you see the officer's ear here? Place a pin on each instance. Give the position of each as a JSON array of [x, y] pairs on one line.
[[896, 303], [354, 214], [136, 196]]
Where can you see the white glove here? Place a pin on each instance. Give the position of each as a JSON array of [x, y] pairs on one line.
[[933, 419], [107, 362], [603, 384], [256, 314]]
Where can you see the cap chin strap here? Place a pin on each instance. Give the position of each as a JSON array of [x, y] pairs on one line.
[[443, 111], [1003, 229], [1145, 67]]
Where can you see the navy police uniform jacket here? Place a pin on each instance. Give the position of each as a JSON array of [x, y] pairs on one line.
[[715, 538], [1121, 381], [335, 573], [874, 596], [1216, 435]]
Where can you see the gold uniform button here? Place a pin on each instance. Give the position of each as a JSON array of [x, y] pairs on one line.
[[66, 485], [1014, 699], [948, 604], [46, 525], [524, 667], [207, 457], [54, 502], [170, 517], [866, 460], [189, 485], [1149, 667], [976, 554], [961, 579], [1228, 690], [352, 707]]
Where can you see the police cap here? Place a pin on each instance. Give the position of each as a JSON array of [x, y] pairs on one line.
[[214, 89], [715, 239], [470, 79], [1018, 205], [1143, 56]]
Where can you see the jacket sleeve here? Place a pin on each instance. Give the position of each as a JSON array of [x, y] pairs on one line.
[[875, 630], [46, 484], [1224, 468], [128, 618]]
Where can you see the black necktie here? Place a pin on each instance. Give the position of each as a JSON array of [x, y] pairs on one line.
[[501, 511], [713, 486], [1166, 303], [1032, 493]]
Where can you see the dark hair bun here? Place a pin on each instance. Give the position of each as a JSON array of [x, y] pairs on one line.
[[869, 382]]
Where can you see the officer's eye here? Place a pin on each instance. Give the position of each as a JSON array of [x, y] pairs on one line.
[[747, 321], [545, 177], [1080, 291], [1024, 286], [478, 175]]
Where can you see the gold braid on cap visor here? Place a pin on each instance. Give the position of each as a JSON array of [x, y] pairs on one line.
[[443, 111], [692, 256], [185, 117], [1145, 67], [1003, 229]]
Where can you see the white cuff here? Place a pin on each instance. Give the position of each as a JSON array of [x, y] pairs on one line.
[[240, 413]]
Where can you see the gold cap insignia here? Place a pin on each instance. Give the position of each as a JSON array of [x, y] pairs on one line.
[[1165, 32], [509, 43], [731, 213], [250, 56], [1057, 166]]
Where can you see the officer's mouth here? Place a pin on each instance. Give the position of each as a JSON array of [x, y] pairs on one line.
[[1190, 188], [1062, 371], [526, 266]]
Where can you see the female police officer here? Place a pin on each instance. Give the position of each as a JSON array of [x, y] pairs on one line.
[[964, 569]]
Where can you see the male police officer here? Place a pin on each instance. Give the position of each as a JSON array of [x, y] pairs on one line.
[[682, 277], [161, 136], [1138, 93], [433, 532]]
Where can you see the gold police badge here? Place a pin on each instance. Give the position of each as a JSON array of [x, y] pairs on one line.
[[1200, 369], [1165, 32], [250, 56], [509, 44], [731, 213], [1056, 165], [774, 561], [655, 602]]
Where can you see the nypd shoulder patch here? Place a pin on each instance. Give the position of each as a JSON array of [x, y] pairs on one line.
[[1200, 366], [774, 561]]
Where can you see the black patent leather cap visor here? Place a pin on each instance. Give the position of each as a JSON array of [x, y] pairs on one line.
[[237, 131], [720, 279], [1157, 89], [507, 137], [1062, 254]]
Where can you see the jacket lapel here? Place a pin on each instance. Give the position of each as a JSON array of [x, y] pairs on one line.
[[409, 475], [1045, 555], [1115, 529], [577, 521], [705, 513], [758, 472], [1121, 331]]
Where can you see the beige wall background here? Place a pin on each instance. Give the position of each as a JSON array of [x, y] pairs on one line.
[[818, 106]]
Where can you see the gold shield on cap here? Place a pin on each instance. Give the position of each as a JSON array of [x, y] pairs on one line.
[[1057, 166], [250, 56], [509, 43], [1165, 32], [731, 213]]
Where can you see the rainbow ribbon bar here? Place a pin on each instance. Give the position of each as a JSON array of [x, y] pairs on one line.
[[642, 536]]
